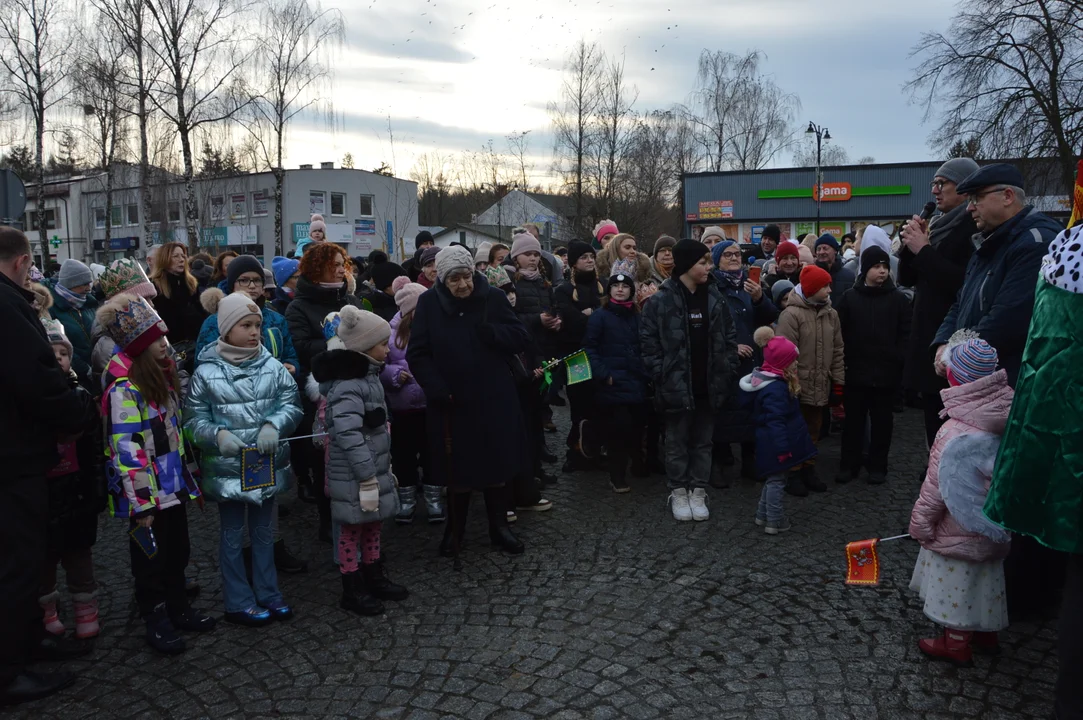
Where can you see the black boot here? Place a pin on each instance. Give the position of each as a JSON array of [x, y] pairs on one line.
[[356, 598], [718, 477], [285, 562], [812, 480], [161, 635], [795, 485], [455, 528], [28, 686], [59, 648], [748, 461], [500, 534], [379, 586]]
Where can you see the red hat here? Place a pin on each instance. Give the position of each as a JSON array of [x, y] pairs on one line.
[[787, 248], [814, 279]]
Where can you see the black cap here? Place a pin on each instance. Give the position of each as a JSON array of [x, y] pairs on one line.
[[622, 279], [773, 232], [423, 237], [576, 250], [383, 274], [995, 174], [872, 256], [239, 266], [687, 253]]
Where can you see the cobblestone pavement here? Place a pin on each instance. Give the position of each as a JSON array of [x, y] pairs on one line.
[[615, 611]]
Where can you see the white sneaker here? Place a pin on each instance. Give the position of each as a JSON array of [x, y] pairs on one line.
[[678, 500], [698, 504]]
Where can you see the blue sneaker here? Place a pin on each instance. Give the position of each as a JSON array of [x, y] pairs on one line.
[[280, 610], [254, 616]]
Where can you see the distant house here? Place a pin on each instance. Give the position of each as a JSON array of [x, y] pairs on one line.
[[518, 207], [471, 235]]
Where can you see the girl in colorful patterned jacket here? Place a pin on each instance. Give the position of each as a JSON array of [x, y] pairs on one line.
[[240, 397], [960, 568], [147, 468]]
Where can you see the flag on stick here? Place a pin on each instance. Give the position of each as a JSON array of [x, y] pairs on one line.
[[578, 367], [863, 562], [1077, 197]]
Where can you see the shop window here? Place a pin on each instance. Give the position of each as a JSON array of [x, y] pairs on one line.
[[133, 214], [338, 204]]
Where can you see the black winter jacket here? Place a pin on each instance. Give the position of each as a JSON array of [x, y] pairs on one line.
[[310, 306], [997, 297], [936, 273], [181, 311], [663, 334], [76, 498], [842, 279], [571, 299], [875, 324], [532, 298], [612, 344], [36, 401]]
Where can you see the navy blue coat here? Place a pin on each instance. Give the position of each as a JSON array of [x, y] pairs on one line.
[[997, 297], [734, 422], [612, 344], [782, 437]]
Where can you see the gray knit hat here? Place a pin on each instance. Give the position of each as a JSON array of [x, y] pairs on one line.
[[232, 309], [451, 259], [957, 169], [360, 330], [73, 274]]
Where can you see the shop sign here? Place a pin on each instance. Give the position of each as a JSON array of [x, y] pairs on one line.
[[716, 209], [836, 229], [117, 243], [833, 192], [690, 216]]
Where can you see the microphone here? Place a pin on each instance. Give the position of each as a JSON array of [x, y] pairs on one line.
[[928, 210]]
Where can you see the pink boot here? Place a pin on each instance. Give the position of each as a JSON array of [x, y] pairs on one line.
[[86, 615], [49, 615]]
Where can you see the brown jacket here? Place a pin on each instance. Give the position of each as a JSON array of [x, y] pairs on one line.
[[817, 333], [607, 256]]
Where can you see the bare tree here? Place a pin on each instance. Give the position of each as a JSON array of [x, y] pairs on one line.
[[830, 155], [292, 65], [611, 138], [197, 42], [517, 147], [573, 118], [35, 55], [1011, 73], [762, 124]]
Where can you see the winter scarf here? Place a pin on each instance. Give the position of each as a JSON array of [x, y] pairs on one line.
[[235, 355], [529, 274], [73, 299], [732, 278]]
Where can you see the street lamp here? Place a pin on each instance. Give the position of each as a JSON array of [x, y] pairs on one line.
[[821, 134]]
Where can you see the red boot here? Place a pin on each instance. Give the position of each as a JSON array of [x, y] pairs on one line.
[[985, 643], [953, 646]]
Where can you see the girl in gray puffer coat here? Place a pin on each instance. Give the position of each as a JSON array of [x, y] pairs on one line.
[[363, 490]]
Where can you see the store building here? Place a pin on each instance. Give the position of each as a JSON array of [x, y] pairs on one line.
[[742, 203]]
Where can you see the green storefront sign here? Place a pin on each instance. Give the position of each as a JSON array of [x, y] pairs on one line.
[[870, 191]]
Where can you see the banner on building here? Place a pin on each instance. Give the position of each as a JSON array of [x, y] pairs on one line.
[[716, 209]]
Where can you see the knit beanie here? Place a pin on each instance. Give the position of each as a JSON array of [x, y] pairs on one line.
[[687, 253], [813, 279], [481, 255], [718, 249], [233, 308], [428, 255], [269, 280], [385, 273], [779, 290], [957, 169], [284, 269], [712, 231], [454, 258], [132, 323], [360, 330], [423, 237], [73, 274], [126, 276], [787, 249], [317, 223], [239, 266], [970, 360], [576, 250], [778, 352], [605, 227], [827, 239], [200, 270], [54, 330], [406, 297], [872, 257], [524, 243], [663, 242], [805, 254]]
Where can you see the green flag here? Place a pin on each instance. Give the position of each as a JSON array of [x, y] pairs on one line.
[[578, 368]]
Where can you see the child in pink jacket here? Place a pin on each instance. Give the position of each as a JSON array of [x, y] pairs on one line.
[[960, 569]]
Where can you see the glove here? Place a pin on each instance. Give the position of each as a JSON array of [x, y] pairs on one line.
[[267, 440], [486, 333], [370, 495], [836, 396], [229, 445]]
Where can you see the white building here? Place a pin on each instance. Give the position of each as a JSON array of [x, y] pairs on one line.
[[363, 211], [518, 207]]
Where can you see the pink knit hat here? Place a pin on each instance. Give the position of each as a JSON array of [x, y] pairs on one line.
[[317, 223], [778, 355], [606, 227], [524, 243], [406, 297]]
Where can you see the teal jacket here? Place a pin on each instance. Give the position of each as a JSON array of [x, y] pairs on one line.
[[276, 331], [78, 325]]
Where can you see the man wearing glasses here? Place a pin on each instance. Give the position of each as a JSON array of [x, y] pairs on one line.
[[933, 261], [997, 297]]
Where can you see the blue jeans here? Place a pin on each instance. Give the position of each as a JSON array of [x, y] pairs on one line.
[[770, 507], [236, 592]]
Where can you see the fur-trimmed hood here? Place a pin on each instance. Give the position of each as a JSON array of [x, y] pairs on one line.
[[43, 299], [335, 365]]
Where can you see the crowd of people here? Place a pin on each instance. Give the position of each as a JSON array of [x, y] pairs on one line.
[[389, 389]]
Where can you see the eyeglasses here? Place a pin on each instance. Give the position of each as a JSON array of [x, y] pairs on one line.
[[975, 198], [250, 282], [732, 255], [939, 184]]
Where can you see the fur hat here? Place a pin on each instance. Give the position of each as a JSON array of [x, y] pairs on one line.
[[74, 274], [786, 249], [54, 330], [233, 308], [406, 296], [524, 243], [360, 330], [126, 276], [131, 322], [317, 223], [239, 266], [813, 279], [603, 228], [778, 352], [687, 253], [712, 231], [663, 242], [451, 259]]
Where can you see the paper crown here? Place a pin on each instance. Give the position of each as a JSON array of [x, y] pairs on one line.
[[55, 332], [126, 276], [135, 326]]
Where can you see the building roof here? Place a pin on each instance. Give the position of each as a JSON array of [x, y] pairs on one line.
[[498, 233]]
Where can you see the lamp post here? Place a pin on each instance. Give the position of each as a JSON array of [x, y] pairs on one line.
[[821, 134]]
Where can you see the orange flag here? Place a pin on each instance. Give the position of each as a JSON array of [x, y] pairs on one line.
[[862, 563], [1077, 197]]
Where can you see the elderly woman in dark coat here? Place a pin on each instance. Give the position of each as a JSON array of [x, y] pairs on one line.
[[464, 335], [750, 308]]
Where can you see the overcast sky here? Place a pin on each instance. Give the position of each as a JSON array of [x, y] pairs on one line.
[[452, 74]]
